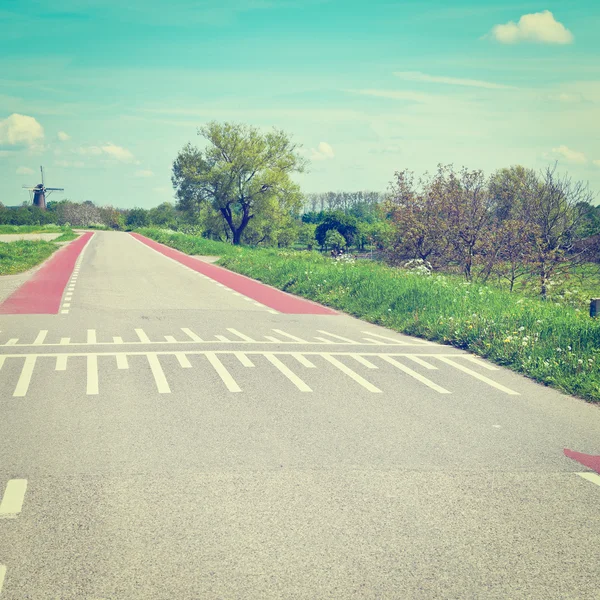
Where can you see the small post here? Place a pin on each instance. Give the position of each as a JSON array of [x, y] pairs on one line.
[[595, 307]]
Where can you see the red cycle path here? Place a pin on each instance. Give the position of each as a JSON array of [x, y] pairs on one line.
[[275, 299], [589, 460], [42, 294]]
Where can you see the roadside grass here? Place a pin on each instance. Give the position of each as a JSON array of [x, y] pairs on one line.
[[22, 255], [7, 229], [189, 244], [553, 344], [67, 236]]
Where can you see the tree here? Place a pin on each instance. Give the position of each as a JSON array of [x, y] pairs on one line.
[[345, 224], [137, 217], [556, 210], [418, 217], [334, 240], [241, 174]]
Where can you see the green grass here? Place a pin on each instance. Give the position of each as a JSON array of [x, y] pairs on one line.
[[190, 244], [22, 255], [551, 343], [7, 229], [67, 236]]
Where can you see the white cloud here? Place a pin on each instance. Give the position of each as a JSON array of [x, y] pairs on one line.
[[396, 95], [117, 152], [90, 150], [535, 27], [63, 137], [20, 131], [110, 150], [70, 164], [144, 173], [322, 152], [24, 171], [567, 98], [569, 155], [418, 76]]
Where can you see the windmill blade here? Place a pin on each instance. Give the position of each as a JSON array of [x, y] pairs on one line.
[[29, 187], [55, 189]]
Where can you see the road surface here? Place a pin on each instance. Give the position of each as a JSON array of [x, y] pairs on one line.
[[164, 436]]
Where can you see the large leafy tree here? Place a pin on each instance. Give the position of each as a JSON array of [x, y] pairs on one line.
[[242, 174]]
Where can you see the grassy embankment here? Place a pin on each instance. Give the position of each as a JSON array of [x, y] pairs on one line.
[[22, 255], [548, 342]]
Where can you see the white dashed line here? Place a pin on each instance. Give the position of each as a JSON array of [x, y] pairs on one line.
[[25, 377], [223, 373], [593, 477], [353, 375], [12, 501], [288, 373], [483, 378], [159, 375], [2, 576], [415, 375], [39, 340]]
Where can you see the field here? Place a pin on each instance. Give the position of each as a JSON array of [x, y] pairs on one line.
[[22, 255], [553, 343]]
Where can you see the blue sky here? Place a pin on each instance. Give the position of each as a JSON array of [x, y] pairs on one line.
[[105, 93]]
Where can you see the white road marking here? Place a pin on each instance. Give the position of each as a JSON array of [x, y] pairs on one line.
[[41, 336], [325, 340], [353, 375], [364, 361], [183, 360], [12, 342], [290, 336], [339, 337], [2, 576], [159, 375], [273, 339], [372, 341], [170, 339], [117, 340], [273, 312], [243, 358], [25, 377], [222, 338], [247, 299], [479, 362], [61, 362], [240, 335], [142, 336], [593, 477], [91, 336], [2, 359], [385, 337], [65, 341], [303, 360], [223, 373], [14, 495], [64, 312], [92, 375], [483, 378], [422, 362], [191, 334], [66, 305], [122, 362], [288, 373], [417, 376]]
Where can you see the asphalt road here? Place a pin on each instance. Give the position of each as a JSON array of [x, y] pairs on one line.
[[163, 437]]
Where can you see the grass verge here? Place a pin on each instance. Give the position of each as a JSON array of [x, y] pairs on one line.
[[22, 255], [552, 344]]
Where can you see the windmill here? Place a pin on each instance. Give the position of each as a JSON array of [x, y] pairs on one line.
[[39, 192]]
